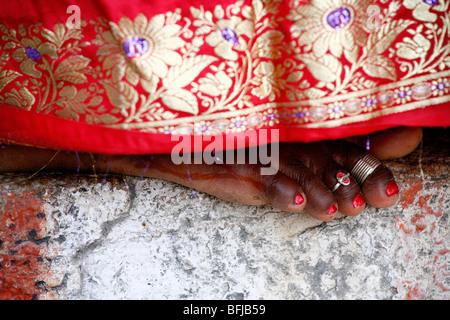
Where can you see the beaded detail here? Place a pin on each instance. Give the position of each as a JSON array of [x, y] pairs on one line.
[[32, 53], [230, 36], [339, 18], [134, 46], [431, 2]]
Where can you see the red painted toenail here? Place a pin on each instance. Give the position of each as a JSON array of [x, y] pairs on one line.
[[332, 209], [391, 189], [358, 201], [298, 198]]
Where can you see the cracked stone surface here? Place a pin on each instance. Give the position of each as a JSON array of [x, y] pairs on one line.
[[120, 237]]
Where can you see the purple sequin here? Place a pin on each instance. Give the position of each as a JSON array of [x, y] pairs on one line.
[[339, 18], [230, 36], [135, 45], [431, 2], [32, 53], [440, 86]]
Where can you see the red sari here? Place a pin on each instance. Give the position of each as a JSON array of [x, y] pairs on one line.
[[122, 77]]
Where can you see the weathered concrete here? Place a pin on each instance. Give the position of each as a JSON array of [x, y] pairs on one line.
[[68, 237]]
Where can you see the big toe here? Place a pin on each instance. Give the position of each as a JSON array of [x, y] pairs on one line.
[[377, 182]]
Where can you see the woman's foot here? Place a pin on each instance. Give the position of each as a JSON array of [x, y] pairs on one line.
[[306, 173], [392, 143]]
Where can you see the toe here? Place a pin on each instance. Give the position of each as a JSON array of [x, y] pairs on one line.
[[347, 192], [321, 202], [284, 193], [395, 143], [379, 189], [391, 143]]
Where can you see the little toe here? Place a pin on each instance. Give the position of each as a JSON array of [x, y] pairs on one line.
[[379, 188], [284, 193]]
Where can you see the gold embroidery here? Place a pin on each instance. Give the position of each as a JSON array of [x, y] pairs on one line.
[[222, 47], [418, 48], [215, 84], [362, 51], [6, 76], [152, 73], [159, 36], [439, 87], [315, 31], [22, 98], [383, 112], [421, 9], [270, 81], [414, 48], [244, 42], [48, 81]]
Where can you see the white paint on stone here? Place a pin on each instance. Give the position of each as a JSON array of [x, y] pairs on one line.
[[161, 243]]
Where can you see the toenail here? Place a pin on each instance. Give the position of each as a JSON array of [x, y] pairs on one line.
[[332, 209], [391, 189], [358, 201], [298, 198]]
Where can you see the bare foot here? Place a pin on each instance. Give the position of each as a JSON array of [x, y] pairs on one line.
[[306, 173], [392, 143]]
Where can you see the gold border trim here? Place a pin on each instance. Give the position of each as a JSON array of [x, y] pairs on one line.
[[384, 112], [325, 124]]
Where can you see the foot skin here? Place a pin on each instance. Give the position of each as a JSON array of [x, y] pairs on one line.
[[392, 143], [306, 174]]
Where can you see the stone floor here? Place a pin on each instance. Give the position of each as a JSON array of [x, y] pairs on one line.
[[119, 237]]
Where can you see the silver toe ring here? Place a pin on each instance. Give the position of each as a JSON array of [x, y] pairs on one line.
[[343, 180], [364, 168]]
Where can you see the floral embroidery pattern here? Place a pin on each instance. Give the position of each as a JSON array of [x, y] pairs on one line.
[[331, 25], [233, 68], [140, 49], [422, 9], [49, 84]]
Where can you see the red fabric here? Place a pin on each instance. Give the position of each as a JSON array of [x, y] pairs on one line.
[[74, 79], [60, 134]]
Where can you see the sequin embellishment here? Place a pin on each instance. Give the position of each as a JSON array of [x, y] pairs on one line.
[[135, 45], [230, 36], [32, 53], [339, 18]]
